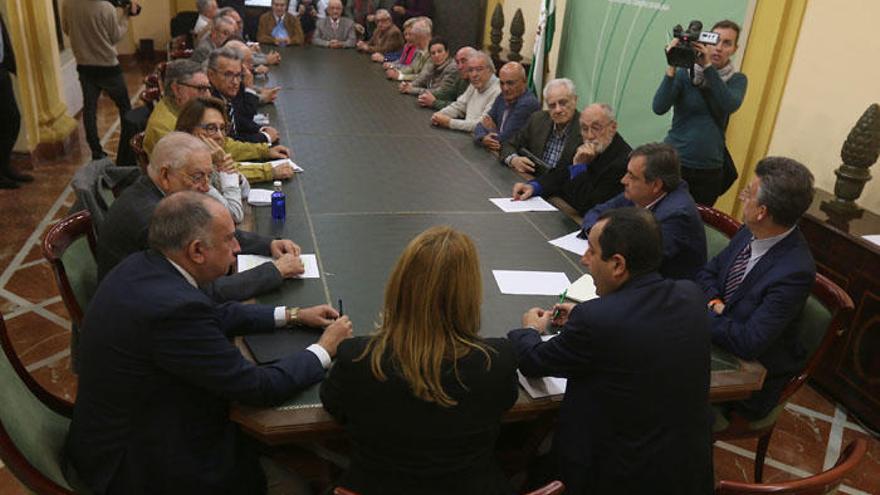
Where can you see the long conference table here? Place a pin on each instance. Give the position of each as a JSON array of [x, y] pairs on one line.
[[377, 174]]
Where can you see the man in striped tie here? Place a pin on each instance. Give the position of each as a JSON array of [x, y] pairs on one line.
[[758, 284]]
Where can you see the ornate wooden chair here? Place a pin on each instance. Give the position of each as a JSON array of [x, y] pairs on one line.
[[69, 247], [820, 484], [552, 488], [33, 426], [824, 318], [137, 145], [150, 96], [720, 227]]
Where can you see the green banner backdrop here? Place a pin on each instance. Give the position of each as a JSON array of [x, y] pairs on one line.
[[613, 51]]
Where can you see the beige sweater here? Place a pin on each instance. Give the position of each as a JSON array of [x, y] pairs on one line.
[[94, 28], [470, 107]]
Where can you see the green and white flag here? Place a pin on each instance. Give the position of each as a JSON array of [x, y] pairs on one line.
[[543, 43]]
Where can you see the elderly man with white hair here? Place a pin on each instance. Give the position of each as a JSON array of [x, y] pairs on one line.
[[420, 36], [182, 162], [550, 136], [386, 37], [335, 31], [593, 175], [465, 113]]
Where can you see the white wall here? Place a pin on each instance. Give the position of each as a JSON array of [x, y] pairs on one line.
[[835, 75]]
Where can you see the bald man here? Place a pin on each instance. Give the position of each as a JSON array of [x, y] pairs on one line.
[[509, 112], [335, 31]]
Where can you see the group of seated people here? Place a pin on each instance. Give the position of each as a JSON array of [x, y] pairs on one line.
[[422, 397]]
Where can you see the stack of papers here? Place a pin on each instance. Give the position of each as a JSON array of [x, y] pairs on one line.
[[248, 261], [531, 283], [536, 203], [260, 197], [278, 163], [872, 238], [572, 243]]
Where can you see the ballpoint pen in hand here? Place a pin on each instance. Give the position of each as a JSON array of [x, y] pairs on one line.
[[561, 300]]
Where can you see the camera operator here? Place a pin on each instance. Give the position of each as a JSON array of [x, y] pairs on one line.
[[702, 106], [94, 28]]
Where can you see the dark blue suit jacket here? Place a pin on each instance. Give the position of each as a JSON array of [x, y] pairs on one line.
[[523, 108], [635, 417], [684, 237], [757, 322], [157, 374]]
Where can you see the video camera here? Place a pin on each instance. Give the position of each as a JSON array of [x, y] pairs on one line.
[[125, 4], [684, 54]]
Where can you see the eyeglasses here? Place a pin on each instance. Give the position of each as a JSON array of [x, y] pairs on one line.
[[199, 88], [213, 128], [197, 178], [231, 76], [594, 128]]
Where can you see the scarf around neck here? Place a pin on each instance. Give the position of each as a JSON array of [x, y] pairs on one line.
[[725, 72]]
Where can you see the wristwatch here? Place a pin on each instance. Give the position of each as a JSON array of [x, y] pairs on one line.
[[293, 316]]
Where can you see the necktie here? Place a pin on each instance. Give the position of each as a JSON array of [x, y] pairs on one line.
[[737, 271]]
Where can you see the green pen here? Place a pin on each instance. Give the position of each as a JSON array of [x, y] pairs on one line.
[[561, 300]]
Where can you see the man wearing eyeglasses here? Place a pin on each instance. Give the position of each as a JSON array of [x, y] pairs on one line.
[[226, 73], [594, 174], [464, 113], [182, 162], [185, 80]]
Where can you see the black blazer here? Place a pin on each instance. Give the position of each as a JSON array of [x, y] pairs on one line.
[[157, 372], [635, 417], [125, 229], [599, 183], [533, 136], [8, 54], [404, 445]]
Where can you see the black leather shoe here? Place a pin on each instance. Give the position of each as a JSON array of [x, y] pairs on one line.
[[8, 183], [19, 177]]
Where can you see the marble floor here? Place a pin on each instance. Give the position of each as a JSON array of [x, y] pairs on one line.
[[810, 434]]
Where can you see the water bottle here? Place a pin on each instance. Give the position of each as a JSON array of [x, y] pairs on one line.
[[279, 203]]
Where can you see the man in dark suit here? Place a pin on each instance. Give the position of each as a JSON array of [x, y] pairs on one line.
[[226, 72], [653, 181], [181, 162], [158, 369], [635, 416], [10, 123], [550, 135], [598, 165], [759, 283]]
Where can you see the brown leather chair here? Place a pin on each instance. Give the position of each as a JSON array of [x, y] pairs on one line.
[[32, 432], [824, 318], [183, 53], [149, 96], [69, 247], [820, 484], [137, 145], [552, 488]]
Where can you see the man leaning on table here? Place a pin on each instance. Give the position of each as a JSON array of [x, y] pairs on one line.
[[635, 415], [509, 111], [158, 370], [653, 181], [594, 175], [182, 162], [758, 284]]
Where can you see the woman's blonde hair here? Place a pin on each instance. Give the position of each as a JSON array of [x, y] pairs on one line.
[[431, 312]]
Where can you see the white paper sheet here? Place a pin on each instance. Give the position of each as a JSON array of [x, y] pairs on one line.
[[547, 386], [260, 197], [248, 261], [572, 243], [278, 163], [872, 238], [583, 289], [536, 203], [531, 283]]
